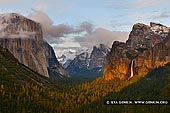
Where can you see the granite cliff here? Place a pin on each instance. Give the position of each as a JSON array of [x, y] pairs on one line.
[[54, 67], [24, 39], [146, 49]]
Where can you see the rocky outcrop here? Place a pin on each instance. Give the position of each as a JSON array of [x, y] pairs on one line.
[[147, 36], [98, 56], [143, 51], [24, 39], [67, 56], [79, 65], [117, 63], [53, 65], [87, 64]]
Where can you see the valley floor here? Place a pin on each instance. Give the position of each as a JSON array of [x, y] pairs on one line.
[[88, 97]]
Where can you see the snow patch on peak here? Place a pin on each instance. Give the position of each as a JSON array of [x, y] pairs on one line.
[[66, 56], [159, 29], [84, 55]]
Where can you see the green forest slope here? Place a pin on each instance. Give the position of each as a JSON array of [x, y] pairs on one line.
[[23, 90]]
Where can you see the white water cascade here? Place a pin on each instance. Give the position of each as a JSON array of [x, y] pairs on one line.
[[131, 69]]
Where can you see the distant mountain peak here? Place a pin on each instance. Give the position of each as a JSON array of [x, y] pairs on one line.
[[87, 64]]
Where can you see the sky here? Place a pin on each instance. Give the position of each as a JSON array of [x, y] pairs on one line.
[[73, 24]]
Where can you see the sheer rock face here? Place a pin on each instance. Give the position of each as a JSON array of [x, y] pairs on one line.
[[154, 57], [145, 46], [28, 52], [24, 39], [53, 64], [117, 63]]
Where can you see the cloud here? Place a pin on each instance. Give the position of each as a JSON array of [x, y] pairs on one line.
[[8, 1], [101, 36], [22, 34], [83, 35], [61, 30], [98, 36], [86, 26], [65, 44], [47, 25], [58, 30], [42, 18], [53, 40]]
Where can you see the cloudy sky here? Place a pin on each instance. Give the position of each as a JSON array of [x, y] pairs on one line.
[[83, 23]]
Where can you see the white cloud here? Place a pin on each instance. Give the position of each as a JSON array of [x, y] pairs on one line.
[[42, 18], [20, 34], [67, 45]]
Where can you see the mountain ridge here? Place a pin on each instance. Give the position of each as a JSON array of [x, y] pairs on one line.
[[142, 39], [87, 64]]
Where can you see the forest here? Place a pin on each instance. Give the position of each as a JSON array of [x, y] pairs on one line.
[[25, 91]]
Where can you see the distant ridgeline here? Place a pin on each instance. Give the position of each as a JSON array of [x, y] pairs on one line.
[[24, 39], [89, 64], [147, 48]]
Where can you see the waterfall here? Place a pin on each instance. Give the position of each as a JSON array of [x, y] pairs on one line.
[[131, 69]]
